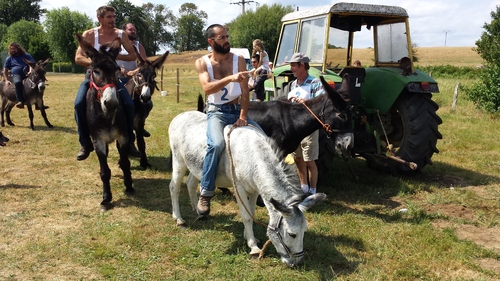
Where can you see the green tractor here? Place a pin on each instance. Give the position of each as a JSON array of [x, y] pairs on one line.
[[394, 122]]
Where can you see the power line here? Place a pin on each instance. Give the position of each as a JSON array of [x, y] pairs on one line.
[[242, 3]]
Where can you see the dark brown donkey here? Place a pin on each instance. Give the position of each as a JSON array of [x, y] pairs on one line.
[[141, 87], [34, 87], [105, 114]]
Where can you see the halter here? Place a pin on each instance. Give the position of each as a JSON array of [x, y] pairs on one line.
[[276, 230], [99, 89], [144, 82], [30, 79], [327, 127]]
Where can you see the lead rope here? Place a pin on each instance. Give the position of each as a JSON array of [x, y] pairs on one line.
[[327, 127], [261, 255]]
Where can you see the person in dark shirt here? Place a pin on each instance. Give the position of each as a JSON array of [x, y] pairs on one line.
[[16, 64]]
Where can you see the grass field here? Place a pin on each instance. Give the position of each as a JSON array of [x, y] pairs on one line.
[[443, 224]]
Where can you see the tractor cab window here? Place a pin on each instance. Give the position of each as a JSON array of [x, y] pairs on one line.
[[312, 38], [391, 42], [336, 55], [287, 43]]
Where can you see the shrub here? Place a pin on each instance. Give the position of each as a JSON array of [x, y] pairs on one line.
[[486, 93], [67, 67], [450, 71]]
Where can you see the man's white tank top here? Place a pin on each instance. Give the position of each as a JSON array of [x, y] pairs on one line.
[[96, 37], [230, 92], [128, 65]]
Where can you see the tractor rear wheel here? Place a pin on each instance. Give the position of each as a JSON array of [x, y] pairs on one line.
[[412, 131]]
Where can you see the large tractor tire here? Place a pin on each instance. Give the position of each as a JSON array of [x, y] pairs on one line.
[[413, 134]]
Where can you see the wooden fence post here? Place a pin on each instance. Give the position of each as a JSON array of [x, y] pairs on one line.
[[455, 97], [178, 85], [161, 79]]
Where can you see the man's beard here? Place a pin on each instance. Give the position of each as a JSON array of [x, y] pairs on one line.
[[220, 49], [132, 38]]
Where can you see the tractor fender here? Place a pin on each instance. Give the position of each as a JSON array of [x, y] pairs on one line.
[[383, 85]]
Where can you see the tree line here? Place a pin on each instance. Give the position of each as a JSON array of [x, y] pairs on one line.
[[157, 27]]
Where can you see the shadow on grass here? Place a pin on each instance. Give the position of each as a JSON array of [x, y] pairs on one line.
[[18, 186], [374, 192]]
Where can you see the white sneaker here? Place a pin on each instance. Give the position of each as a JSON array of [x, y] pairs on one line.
[[304, 188], [312, 190]]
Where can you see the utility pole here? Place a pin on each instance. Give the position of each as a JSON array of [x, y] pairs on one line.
[[445, 35], [242, 3]]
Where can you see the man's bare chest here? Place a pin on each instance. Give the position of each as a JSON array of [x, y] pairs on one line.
[[223, 69]]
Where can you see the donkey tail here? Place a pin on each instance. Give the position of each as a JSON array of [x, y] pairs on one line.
[[201, 104], [169, 162]]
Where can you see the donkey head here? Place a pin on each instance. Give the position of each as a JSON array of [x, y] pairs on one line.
[[103, 72], [145, 78], [339, 114], [287, 227], [36, 74]]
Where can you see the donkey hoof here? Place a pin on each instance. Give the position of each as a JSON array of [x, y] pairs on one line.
[[106, 206], [202, 218], [129, 191], [181, 224]]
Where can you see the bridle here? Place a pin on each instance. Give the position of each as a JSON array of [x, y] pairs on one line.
[[100, 90], [276, 230], [327, 127], [147, 80], [41, 78]]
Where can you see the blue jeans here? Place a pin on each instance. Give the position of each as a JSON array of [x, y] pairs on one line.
[[18, 83], [81, 112], [218, 116]]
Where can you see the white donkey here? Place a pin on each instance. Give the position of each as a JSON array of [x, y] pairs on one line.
[[257, 170]]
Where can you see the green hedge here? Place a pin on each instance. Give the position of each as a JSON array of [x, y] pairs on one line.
[[450, 71], [67, 67]]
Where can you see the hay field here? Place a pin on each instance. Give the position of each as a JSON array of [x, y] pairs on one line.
[[457, 56]]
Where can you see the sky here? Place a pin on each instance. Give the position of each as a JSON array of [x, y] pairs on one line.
[[433, 23]]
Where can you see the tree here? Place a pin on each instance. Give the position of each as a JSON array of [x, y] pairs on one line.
[[30, 36], [263, 24], [61, 25], [486, 93], [189, 34], [159, 21], [12, 11], [127, 12]]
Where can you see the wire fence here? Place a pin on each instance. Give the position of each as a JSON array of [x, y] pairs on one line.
[[180, 80]]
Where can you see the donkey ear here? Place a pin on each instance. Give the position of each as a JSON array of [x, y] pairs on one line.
[[89, 50], [342, 96], [115, 47], [31, 64], [345, 87], [45, 62], [311, 201], [160, 60], [139, 58], [284, 210]]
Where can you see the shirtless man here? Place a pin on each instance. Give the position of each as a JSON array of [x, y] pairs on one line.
[[224, 80], [105, 33]]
